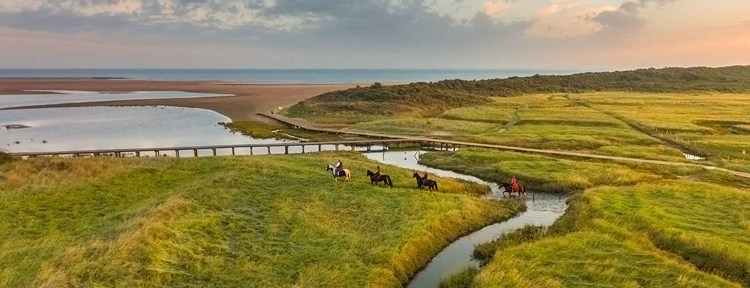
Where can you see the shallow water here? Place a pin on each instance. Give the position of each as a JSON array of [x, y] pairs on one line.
[[63, 96], [82, 128], [542, 210], [693, 157]]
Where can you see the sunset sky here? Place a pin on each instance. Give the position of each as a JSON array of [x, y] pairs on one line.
[[589, 34]]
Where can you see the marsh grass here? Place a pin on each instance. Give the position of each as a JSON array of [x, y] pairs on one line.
[[255, 129], [279, 131], [538, 173], [262, 221], [633, 224], [462, 279]]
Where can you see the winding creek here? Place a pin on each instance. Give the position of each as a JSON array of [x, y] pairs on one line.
[[542, 209]]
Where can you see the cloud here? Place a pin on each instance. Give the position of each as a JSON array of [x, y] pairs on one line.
[[628, 16]]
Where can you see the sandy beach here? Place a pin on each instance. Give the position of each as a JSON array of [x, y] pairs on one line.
[[249, 99]]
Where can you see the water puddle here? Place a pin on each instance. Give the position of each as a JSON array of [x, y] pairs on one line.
[[542, 210]]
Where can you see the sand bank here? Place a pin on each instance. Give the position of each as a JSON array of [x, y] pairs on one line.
[[249, 100]]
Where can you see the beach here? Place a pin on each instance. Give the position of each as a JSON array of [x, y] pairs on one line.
[[249, 99]]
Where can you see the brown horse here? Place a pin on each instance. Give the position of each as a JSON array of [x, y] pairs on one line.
[[520, 189], [374, 179], [431, 184]]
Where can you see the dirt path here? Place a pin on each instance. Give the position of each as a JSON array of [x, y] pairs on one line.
[[308, 126]]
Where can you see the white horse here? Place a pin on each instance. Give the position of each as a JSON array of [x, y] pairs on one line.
[[342, 173]]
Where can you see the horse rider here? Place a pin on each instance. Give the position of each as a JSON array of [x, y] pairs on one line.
[[377, 174], [339, 167], [513, 183], [425, 176]]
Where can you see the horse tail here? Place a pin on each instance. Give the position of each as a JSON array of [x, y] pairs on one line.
[[390, 183]]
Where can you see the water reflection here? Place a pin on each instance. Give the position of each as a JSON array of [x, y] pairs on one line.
[[63, 129], [63, 96]]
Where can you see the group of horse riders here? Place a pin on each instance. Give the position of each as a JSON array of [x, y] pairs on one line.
[[340, 166], [375, 177]]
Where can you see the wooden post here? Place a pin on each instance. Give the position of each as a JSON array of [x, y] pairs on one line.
[[156, 152], [195, 152], [213, 150], [233, 151], [320, 147], [286, 149], [303, 148], [369, 147], [269, 150], [138, 154], [251, 150], [177, 153], [337, 147]]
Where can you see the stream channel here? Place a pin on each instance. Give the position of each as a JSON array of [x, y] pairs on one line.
[[542, 210]]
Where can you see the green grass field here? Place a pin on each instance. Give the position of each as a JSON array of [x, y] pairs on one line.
[[633, 225], [658, 126], [264, 221]]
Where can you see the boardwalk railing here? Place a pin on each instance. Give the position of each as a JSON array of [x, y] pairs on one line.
[[241, 149]]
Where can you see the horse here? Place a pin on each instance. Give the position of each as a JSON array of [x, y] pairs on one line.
[[520, 189], [342, 173], [384, 178], [431, 184]]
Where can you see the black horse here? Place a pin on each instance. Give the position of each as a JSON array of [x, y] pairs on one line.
[[374, 179], [520, 189], [431, 184]]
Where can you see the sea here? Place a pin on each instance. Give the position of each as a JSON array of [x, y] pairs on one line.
[[284, 76]]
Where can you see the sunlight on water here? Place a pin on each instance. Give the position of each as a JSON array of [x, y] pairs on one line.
[[61, 129], [50, 97]]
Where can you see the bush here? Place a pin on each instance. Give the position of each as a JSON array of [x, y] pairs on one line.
[[5, 157]]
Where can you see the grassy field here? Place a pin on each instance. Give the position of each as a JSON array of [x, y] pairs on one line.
[[265, 221], [657, 126], [631, 226], [538, 173]]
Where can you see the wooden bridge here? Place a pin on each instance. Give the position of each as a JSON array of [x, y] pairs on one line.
[[381, 142], [244, 149]]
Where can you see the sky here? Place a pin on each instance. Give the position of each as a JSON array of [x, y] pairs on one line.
[[453, 34]]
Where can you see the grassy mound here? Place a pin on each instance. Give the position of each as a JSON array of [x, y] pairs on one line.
[[268, 221], [591, 259], [652, 235]]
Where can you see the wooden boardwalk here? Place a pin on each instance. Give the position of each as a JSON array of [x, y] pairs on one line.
[[215, 150], [379, 142]]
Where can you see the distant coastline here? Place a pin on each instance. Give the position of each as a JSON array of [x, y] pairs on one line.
[[280, 76]]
